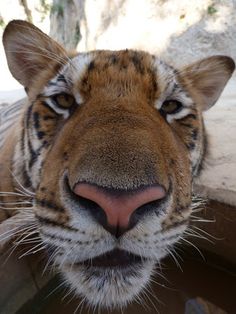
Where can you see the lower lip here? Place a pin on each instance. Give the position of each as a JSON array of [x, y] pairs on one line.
[[115, 258]]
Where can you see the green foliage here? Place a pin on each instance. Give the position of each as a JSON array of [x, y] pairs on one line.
[[2, 23], [211, 9], [44, 8], [77, 33], [57, 9]]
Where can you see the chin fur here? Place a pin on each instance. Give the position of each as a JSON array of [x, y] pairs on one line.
[[109, 287]]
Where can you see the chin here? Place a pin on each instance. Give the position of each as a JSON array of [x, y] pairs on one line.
[[109, 286]]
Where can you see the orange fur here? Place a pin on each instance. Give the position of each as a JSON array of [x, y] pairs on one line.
[[111, 132]]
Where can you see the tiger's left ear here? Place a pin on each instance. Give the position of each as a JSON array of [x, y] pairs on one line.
[[207, 78]]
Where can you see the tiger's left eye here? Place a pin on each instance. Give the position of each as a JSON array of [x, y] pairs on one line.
[[171, 106]]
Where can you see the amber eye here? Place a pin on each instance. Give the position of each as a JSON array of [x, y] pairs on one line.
[[63, 100], [171, 107]]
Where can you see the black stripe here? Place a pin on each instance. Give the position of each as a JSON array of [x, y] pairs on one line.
[[153, 80], [177, 224], [190, 145], [48, 204], [45, 104], [194, 134], [37, 153], [52, 84], [137, 62], [26, 178], [28, 116], [22, 140], [187, 125], [54, 223], [36, 118], [189, 116], [40, 134], [61, 78], [56, 237], [91, 66], [33, 154], [25, 175], [113, 58], [175, 87], [48, 118]]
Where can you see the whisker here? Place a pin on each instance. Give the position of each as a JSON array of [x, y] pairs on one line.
[[12, 232], [145, 292], [199, 219], [196, 248], [26, 235], [33, 250], [69, 291], [175, 259], [194, 233], [81, 303], [208, 234], [11, 193], [50, 259], [15, 203], [55, 289], [14, 208], [140, 299], [34, 240], [10, 252]]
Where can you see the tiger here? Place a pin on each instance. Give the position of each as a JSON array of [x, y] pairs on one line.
[[106, 147]]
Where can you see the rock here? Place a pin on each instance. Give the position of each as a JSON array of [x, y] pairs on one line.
[[178, 31], [218, 179]]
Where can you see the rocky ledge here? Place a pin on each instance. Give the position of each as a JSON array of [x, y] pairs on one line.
[[218, 179]]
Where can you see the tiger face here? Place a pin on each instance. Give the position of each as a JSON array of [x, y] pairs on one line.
[[109, 145]]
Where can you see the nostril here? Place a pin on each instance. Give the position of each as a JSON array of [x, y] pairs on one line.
[[99, 215], [87, 203], [97, 212], [150, 207]]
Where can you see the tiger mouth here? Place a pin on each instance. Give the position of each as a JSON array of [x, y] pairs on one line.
[[115, 258]]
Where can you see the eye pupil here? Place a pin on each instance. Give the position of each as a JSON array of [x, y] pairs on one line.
[[171, 106]]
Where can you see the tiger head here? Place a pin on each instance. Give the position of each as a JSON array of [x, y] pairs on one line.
[[109, 145]]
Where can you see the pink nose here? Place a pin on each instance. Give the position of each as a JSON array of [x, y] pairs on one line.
[[119, 208]]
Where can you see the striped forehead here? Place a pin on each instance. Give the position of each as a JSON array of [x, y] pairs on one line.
[[68, 77], [168, 78]]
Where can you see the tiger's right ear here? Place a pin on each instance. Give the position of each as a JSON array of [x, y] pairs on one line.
[[208, 77], [29, 52]]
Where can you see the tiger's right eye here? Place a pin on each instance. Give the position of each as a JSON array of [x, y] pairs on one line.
[[171, 107], [64, 101]]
